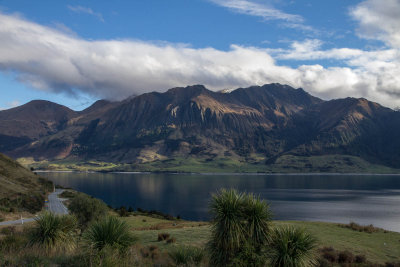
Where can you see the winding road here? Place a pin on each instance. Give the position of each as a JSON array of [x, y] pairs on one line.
[[54, 205]]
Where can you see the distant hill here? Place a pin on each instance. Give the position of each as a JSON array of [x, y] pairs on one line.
[[20, 189], [257, 128]]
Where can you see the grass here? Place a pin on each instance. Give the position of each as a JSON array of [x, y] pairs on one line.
[[143, 222], [20, 189], [196, 236], [378, 247], [253, 164]]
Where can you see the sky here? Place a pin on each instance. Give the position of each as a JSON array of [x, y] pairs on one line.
[[76, 52]]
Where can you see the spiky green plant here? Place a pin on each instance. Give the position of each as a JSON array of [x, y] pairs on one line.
[[53, 232], [236, 219], [109, 231], [227, 232], [258, 217], [292, 247]]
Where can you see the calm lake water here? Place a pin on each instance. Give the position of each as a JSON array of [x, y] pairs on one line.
[[365, 199]]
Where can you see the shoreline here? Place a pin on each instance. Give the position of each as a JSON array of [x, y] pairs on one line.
[[223, 173]]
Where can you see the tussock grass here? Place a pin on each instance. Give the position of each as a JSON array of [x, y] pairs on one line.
[[111, 232], [292, 246], [52, 232]]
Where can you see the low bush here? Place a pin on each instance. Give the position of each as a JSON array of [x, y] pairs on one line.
[[13, 242], [171, 240], [151, 252], [329, 254], [68, 194], [123, 212], [249, 255], [187, 255], [163, 236], [361, 259], [32, 203], [87, 209], [8, 230], [361, 228], [156, 214], [346, 257]]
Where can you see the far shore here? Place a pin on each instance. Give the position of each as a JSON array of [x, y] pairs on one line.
[[220, 173]]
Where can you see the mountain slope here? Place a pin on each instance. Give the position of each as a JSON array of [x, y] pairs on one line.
[[20, 189], [259, 124], [32, 121]]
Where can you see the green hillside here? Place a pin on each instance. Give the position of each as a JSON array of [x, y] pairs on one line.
[[20, 189]]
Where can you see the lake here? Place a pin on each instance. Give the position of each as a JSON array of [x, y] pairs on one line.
[[365, 199]]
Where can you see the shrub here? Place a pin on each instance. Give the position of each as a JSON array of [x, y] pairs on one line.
[[32, 202], [249, 255], [171, 240], [186, 256], [163, 236], [292, 247], [111, 232], [53, 232], [13, 242], [360, 259], [123, 212], [329, 254], [321, 262], [8, 230], [361, 228], [346, 257], [68, 194], [87, 209], [150, 252]]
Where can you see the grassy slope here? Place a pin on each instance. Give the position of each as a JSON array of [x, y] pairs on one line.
[[284, 164], [16, 182], [379, 247]]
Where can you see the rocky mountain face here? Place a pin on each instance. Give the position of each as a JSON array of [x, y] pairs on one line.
[[271, 120]]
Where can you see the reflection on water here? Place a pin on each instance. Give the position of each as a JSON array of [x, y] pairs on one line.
[[366, 199]]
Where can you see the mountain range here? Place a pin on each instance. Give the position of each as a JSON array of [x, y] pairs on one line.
[[259, 126]]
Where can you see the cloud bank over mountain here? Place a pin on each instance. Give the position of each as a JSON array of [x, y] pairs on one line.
[[52, 60]]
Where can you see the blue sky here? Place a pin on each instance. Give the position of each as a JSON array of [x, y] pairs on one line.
[[74, 52]]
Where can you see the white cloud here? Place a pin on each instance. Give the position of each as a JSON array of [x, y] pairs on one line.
[[51, 60], [379, 20], [86, 10], [266, 12], [259, 10], [11, 104]]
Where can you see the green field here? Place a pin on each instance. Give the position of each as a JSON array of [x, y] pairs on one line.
[[378, 247], [254, 164]]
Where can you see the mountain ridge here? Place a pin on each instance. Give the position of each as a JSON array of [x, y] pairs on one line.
[[192, 122]]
